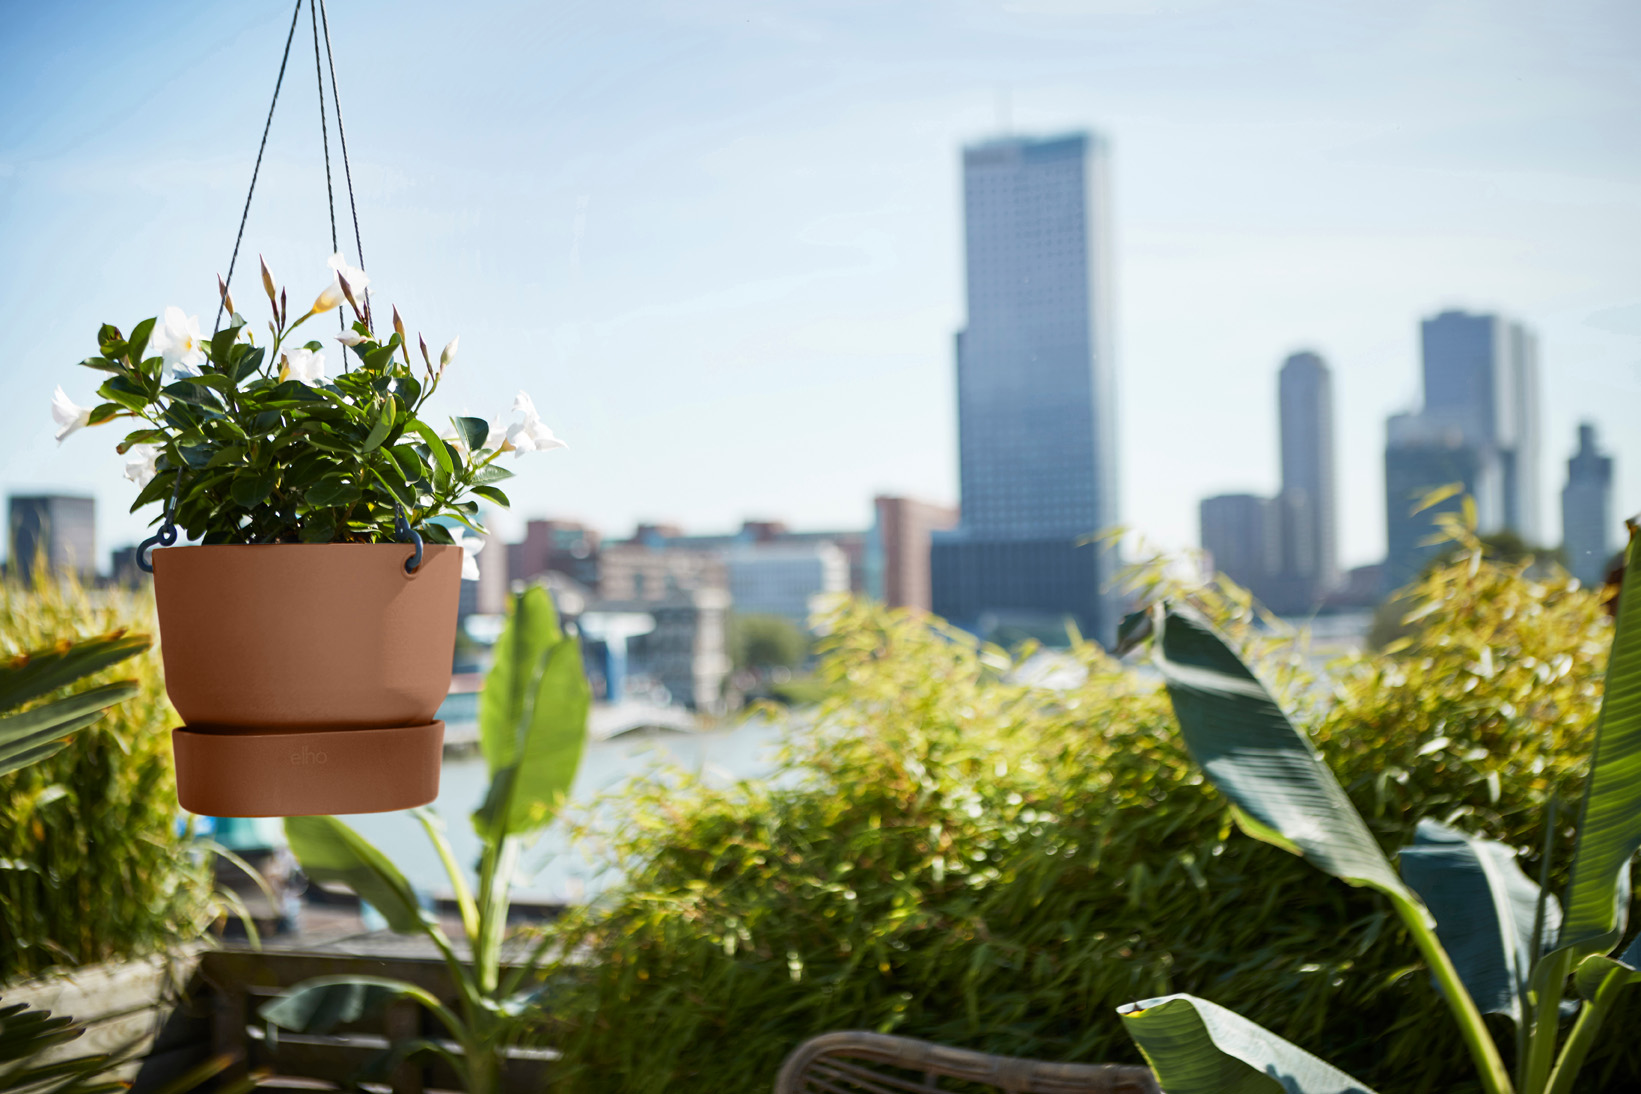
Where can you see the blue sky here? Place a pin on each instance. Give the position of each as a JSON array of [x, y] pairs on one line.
[[719, 242]]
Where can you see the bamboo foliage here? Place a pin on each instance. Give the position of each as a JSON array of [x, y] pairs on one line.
[[94, 865]]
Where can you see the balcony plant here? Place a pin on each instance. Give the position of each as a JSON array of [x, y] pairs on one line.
[[1496, 941], [297, 614]]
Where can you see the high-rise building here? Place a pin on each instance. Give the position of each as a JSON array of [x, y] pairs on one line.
[[1241, 534], [1036, 435], [1479, 427], [897, 553], [59, 530], [1422, 456], [1586, 509], [1481, 376], [1284, 549], [1309, 510]]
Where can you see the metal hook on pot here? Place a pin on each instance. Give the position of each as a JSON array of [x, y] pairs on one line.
[[166, 536], [406, 534]]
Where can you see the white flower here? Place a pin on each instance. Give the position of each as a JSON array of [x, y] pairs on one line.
[[352, 338], [496, 437], [177, 339], [449, 353], [358, 280], [68, 414], [530, 434], [471, 545], [140, 463], [306, 365]]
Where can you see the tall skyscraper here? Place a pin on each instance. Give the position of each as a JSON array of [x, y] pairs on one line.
[[1284, 549], [1586, 509], [1481, 375], [1479, 427], [55, 529], [1308, 503], [1036, 435]]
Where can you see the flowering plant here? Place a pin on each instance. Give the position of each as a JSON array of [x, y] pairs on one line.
[[259, 444]]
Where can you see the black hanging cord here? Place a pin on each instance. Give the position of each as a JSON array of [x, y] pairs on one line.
[[342, 138], [324, 140], [289, 35]]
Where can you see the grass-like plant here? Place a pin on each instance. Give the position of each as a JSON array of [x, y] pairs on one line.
[[1494, 940], [532, 727], [93, 864], [260, 444]]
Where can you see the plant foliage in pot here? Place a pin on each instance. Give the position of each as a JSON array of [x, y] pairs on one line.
[[308, 634]]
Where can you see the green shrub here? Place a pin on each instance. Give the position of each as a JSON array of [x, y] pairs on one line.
[[93, 866], [959, 857]]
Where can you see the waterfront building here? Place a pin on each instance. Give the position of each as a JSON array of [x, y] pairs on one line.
[[59, 530], [1309, 568], [1587, 510], [785, 578], [1481, 376], [1035, 399], [1422, 455], [898, 549], [1241, 536], [567, 547]]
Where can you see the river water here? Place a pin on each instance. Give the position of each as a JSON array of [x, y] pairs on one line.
[[553, 869]]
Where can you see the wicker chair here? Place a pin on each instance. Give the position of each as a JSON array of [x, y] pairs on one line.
[[855, 1062]]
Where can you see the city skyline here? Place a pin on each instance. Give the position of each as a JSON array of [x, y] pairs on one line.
[[727, 265]]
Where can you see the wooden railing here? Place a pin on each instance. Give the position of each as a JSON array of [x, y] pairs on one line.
[[237, 982]]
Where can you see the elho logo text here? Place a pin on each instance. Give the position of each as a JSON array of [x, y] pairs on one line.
[[307, 756]]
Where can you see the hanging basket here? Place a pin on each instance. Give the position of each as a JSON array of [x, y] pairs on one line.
[[307, 675]]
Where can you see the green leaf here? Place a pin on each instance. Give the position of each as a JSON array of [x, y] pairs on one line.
[[1198, 1047], [209, 379], [1485, 907], [103, 364], [436, 446], [1282, 791], [384, 424], [23, 735], [334, 489], [490, 473], [474, 432], [1598, 970], [183, 391], [319, 528], [138, 342], [1610, 831], [331, 852], [223, 340], [325, 1002], [247, 362], [253, 487], [103, 412], [494, 495], [117, 389], [532, 719], [28, 676]]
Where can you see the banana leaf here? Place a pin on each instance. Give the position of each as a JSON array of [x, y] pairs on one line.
[[1597, 903], [1281, 790], [532, 720], [330, 851], [1198, 1047], [1485, 908]]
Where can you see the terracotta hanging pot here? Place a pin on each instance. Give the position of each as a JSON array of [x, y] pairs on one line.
[[307, 675]]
